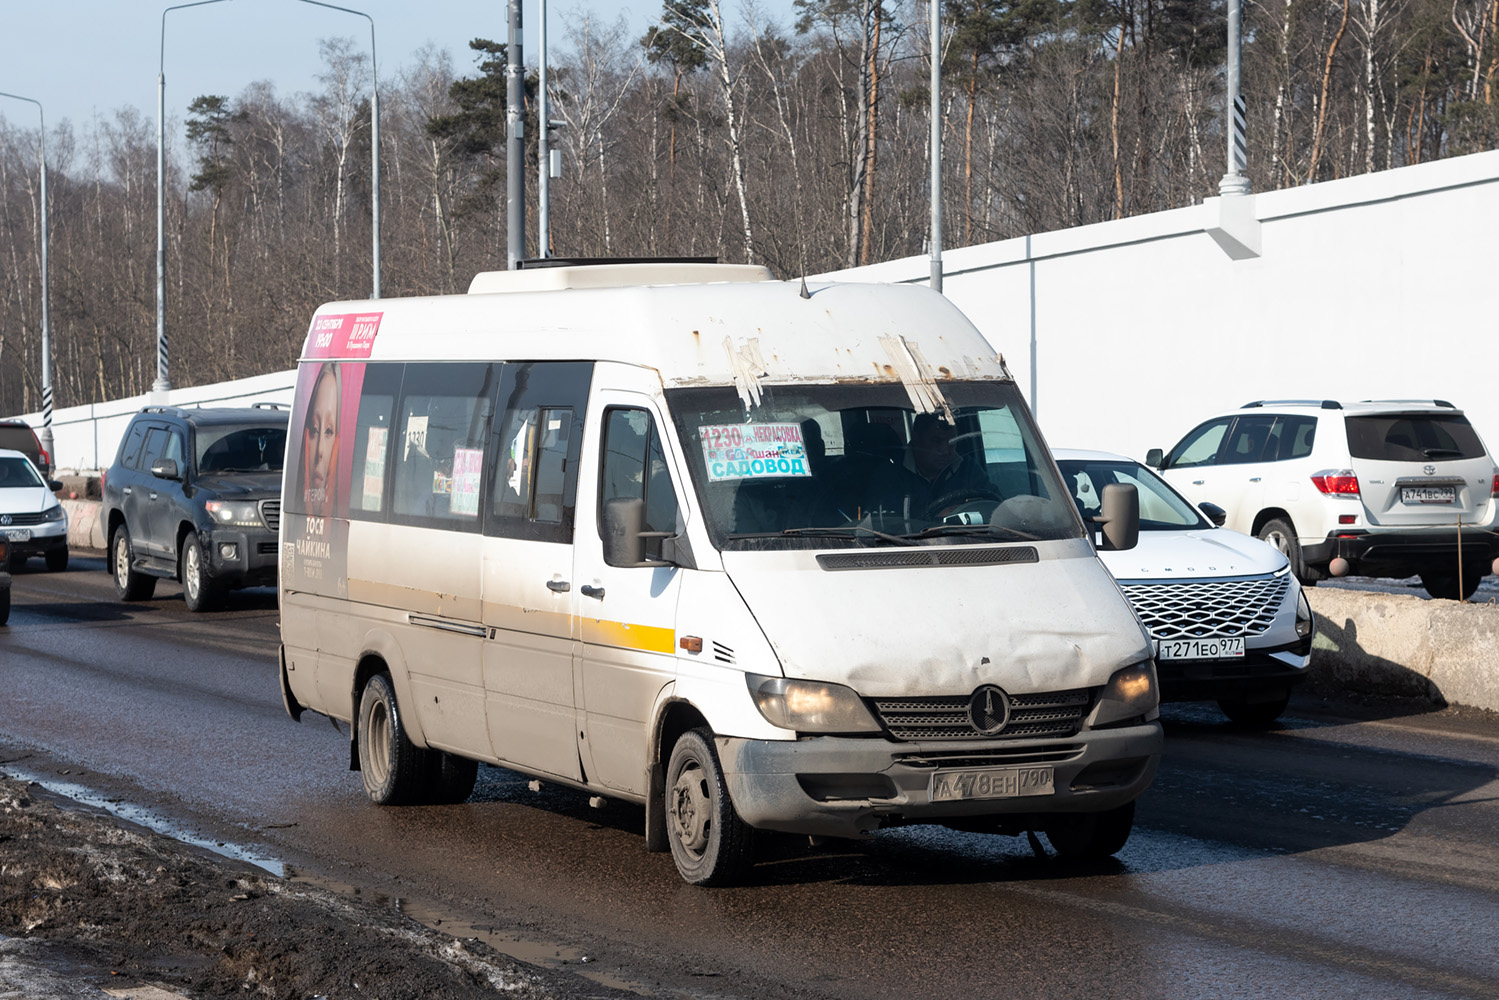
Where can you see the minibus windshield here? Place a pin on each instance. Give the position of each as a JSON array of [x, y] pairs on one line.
[[855, 465]]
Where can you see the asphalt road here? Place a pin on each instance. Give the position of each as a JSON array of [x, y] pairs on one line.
[[1350, 853]]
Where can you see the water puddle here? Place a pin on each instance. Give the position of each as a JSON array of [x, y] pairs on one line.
[[531, 951]]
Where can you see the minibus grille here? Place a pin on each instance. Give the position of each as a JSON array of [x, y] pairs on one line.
[[1204, 609], [1048, 714], [270, 513]]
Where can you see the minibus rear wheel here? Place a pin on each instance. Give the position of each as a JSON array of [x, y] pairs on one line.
[[394, 769], [1091, 836], [709, 842]]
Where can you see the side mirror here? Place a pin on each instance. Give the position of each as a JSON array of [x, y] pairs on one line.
[[624, 534], [165, 468], [1121, 517], [1215, 513], [54, 485], [1155, 458]]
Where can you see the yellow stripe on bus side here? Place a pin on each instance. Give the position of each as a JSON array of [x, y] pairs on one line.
[[626, 636]]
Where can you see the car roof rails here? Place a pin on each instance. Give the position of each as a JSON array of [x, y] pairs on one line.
[[266, 404], [1326, 404], [171, 411], [1433, 402], [530, 263]]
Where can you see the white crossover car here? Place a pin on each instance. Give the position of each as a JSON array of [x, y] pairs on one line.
[[1227, 615], [32, 520]]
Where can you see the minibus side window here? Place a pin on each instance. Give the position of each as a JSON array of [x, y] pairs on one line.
[[373, 441], [535, 450], [437, 456], [634, 467]]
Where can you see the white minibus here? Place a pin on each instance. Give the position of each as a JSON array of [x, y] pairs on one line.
[[756, 555]]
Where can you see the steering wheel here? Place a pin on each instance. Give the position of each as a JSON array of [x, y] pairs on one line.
[[950, 503]]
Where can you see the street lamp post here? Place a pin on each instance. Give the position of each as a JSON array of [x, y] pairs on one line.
[[163, 383], [374, 142], [936, 142], [45, 436]]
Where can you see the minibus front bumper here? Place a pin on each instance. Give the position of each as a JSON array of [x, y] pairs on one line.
[[849, 787]]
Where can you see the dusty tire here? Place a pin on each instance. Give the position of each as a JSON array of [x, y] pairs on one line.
[[4, 604], [1443, 586], [57, 560], [200, 591], [709, 842], [1282, 535], [129, 585], [451, 778], [1091, 836], [1258, 713], [394, 769]]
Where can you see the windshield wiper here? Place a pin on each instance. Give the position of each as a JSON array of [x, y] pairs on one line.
[[833, 531], [1441, 452], [988, 530]]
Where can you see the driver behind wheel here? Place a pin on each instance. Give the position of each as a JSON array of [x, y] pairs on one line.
[[930, 470]]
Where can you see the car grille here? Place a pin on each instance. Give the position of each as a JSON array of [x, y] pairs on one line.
[[1054, 713], [270, 513], [1208, 608], [17, 520]]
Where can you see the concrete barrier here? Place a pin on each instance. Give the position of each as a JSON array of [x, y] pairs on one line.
[[84, 528], [1444, 652], [1441, 652]]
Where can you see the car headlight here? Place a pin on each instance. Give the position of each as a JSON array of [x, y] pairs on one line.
[[1129, 694], [245, 513], [55, 514], [1304, 618], [810, 706]]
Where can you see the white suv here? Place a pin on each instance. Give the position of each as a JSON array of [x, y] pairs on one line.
[[1390, 488]]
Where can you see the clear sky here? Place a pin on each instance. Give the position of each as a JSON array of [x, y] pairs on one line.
[[81, 57]]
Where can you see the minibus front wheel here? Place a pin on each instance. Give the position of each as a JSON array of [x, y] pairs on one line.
[[392, 766], [709, 842], [1091, 836]]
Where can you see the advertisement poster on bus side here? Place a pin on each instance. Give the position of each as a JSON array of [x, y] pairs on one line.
[[320, 459]]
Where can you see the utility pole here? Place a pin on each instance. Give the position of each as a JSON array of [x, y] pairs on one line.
[[1234, 182], [543, 154], [515, 144], [374, 143], [163, 383], [936, 143], [45, 437]]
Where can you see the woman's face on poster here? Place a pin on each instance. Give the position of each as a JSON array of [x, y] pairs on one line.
[[322, 434]]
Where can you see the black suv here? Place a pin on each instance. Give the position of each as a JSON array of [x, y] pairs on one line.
[[195, 495]]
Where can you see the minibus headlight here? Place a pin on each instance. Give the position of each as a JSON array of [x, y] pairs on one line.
[[810, 706], [1129, 694], [245, 513]]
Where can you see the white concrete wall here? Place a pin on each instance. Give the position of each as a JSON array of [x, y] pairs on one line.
[[1126, 334], [1375, 287], [87, 437]]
